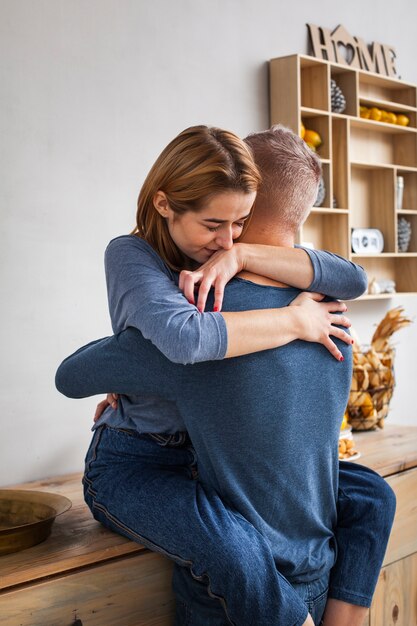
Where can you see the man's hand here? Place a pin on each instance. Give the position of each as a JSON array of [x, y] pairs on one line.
[[216, 272], [110, 400]]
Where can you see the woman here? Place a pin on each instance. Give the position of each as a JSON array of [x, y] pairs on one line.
[[193, 204]]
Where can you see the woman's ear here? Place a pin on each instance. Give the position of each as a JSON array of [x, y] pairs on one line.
[[161, 204]]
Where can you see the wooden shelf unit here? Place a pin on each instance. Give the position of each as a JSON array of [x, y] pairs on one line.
[[361, 159]]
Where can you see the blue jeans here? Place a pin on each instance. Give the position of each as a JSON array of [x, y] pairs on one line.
[[365, 509], [150, 494], [194, 607]]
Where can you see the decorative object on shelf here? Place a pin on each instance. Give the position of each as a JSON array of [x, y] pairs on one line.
[[373, 378], [338, 46], [311, 137], [26, 517], [321, 193], [367, 241], [384, 285], [338, 100], [404, 234], [380, 115], [400, 192]]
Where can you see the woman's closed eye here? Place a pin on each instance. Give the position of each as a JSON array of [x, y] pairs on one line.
[[214, 229]]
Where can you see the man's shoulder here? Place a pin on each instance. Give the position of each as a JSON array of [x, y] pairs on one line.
[[242, 294]]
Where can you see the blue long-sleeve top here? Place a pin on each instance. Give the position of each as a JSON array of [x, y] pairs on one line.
[[143, 293]]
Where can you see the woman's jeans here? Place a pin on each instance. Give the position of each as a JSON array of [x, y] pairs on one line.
[[149, 493]]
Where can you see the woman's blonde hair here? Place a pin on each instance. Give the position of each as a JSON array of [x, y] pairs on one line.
[[199, 163]]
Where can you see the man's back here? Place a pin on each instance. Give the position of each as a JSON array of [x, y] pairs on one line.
[[265, 426], [266, 429]]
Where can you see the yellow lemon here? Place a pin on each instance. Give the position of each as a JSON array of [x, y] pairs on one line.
[[388, 117], [344, 421], [302, 130], [365, 112], [375, 114], [402, 120], [312, 137], [310, 145]]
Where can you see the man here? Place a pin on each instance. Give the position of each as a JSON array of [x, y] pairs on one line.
[[265, 426]]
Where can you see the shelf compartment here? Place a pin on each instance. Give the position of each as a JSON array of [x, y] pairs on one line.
[[372, 202], [314, 84], [410, 113], [327, 231], [321, 124], [385, 144], [327, 202], [340, 162], [412, 248], [386, 90], [393, 107], [401, 269], [347, 80], [410, 189]]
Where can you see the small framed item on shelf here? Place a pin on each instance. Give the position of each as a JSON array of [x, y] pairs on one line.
[[367, 241]]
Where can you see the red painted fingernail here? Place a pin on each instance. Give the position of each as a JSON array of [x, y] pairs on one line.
[[216, 308], [342, 358], [200, 309], [353, 341], [191, 301]]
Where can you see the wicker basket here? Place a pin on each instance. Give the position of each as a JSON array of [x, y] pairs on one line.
[[372, 387]]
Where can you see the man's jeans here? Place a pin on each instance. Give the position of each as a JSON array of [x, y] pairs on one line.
[[149, 493], [194, 607]]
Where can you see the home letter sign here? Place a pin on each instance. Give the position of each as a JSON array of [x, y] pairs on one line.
[[338, 46]]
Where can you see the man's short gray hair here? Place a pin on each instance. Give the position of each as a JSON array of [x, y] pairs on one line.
[[290, 175]]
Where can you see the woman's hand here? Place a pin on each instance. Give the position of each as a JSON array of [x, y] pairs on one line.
[[216, 272], [318, 321], [110, 400]]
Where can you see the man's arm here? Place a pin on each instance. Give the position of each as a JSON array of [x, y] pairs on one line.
[[125, 363]]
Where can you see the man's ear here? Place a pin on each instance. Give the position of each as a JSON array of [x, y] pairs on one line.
[[161, 204]]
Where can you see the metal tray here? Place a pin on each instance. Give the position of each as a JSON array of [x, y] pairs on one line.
[[26, 517]]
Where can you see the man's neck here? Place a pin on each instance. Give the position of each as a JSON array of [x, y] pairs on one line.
[[266, 237]]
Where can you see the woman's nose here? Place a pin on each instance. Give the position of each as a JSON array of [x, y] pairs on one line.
[[224, 239]]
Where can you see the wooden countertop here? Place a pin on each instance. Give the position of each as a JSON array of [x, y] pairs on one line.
[[388, 451], [77, 540]]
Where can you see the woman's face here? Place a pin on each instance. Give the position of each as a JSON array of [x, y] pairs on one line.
[[200, 234]]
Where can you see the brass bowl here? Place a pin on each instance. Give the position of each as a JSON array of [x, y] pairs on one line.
[[26, 517]]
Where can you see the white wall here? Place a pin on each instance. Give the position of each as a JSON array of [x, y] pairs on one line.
[[91, 92]]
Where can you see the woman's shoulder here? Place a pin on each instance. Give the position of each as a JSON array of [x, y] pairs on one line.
[[130, 242], [131, 248]]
